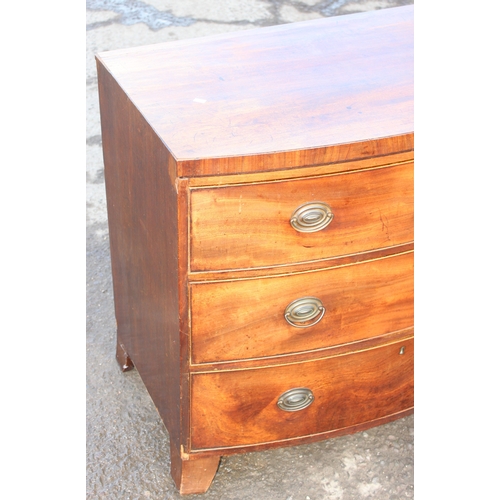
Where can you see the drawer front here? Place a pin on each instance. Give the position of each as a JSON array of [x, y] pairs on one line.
[[267, 224], [241, 408], [246, 318]]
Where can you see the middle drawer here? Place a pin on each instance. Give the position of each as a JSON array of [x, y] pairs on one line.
[[288, 314]]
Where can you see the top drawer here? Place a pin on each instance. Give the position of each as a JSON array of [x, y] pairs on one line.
[[248, 226]]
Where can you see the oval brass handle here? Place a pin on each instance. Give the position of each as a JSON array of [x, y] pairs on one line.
[[300, 311], [311, 217], [295, 399]]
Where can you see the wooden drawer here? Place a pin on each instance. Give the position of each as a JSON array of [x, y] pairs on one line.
[[245, 318], [249, 226], [239, 408]]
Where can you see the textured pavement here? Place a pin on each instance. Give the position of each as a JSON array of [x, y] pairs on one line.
[[127, 444]]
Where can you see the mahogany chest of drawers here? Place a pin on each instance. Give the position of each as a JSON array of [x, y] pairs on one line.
[[260, 200]]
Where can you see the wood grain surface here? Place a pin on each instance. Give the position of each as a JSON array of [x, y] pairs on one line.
[[249, 226], [192, 474], [239, 408], [144, 259], [245, 318], [209, 147], [277, 97]]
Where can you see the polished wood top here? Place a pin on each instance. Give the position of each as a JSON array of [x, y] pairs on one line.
[[305, 93]]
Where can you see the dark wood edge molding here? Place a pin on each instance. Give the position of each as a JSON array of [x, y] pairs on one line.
[[305, 356], [197, 277], [290, 159]]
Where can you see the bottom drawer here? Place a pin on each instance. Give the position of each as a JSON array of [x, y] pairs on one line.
[[242, 408]]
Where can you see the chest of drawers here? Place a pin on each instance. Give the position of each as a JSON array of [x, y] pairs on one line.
[[260, 204]]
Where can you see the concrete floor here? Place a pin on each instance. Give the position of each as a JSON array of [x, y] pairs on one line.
[[127, 444]]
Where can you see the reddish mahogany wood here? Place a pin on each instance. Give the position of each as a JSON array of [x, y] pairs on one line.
[[245, 318], [237, 408], [304, 439], [299, 357], [308, 93], [302, 171], [124, 361], [249, 226], [192, 473], [144, 259], [300, 267], [264, 120]]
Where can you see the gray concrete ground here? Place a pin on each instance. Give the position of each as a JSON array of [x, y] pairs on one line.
[[127, 445]]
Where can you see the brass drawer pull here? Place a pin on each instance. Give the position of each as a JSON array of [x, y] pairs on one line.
[[300, 311], [311, 217], [295, 399]]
